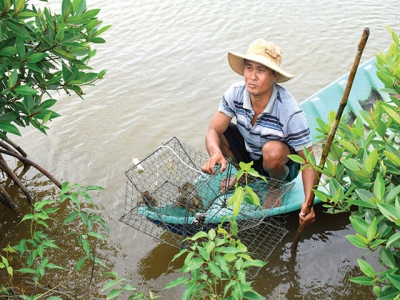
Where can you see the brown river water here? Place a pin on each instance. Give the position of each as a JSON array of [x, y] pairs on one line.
[[167, 69]]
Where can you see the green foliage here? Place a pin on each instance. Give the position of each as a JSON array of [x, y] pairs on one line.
[[217, 263], [42, 52], [363, 171], [117, 285], [33, 253], [244, 193]]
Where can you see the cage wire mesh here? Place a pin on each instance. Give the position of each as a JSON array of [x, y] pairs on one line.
[[168, 197]]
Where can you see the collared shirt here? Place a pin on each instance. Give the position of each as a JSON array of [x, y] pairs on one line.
[[282, 119]]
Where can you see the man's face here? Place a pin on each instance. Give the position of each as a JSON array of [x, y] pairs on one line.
[[259, 79]]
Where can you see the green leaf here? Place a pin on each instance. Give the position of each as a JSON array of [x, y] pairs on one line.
[[356, 241], [53, 266], [296, 158], [387, 257], [371, 232], [97, 235], [50, 244], [176, 282], [86, 246], [199, 235], [8, 51], [254, 263], [392, 157], [348, 146], [25, 90], [395, 237], [395, 280], [101, 30], [366, 268], [391, 112], [27, 14], [211, 234], [39, 205], [379, 186], [361, 203], [194, 263], [363, 280], [128, 287], [252, 295], [364, 195], [215, 269], [10, 128], [26, 271], [94, 188], [359, 224], [352, 164], [388, 211], [100, 220], [109, 284], [80, 264], [20, 47], [36, 57], [393, 193], [236, 200], [222, 264], [371, 161], [113, 294], [97, 40]]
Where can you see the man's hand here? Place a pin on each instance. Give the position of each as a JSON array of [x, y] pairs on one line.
[[306, 216], [216, 159]]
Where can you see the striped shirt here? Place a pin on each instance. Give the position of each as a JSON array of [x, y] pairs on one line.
[[282, 119]]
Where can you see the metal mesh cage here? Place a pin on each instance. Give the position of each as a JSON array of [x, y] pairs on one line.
[[169, 198]]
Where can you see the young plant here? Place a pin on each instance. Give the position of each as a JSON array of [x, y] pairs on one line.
[[36, 247], [35, 251], [364, 172], [217, 263], [117, 285], [75, 194], [244, 193]]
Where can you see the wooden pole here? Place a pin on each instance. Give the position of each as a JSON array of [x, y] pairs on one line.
[[342, 105]]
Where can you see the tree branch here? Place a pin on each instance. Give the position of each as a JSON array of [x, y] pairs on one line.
[[16, 147], [16, 180], [6, 199], [33, 164]]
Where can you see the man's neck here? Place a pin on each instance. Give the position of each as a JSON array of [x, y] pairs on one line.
[[260, 102]]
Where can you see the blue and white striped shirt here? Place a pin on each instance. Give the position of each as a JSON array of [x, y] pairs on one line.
[[282, 119]]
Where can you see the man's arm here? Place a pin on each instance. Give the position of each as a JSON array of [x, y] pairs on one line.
[[219, 123], [307, 216]]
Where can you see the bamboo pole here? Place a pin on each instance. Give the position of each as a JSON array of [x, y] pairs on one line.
[[342, 105]]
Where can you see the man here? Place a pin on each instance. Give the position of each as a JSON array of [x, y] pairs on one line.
[[270, 125]]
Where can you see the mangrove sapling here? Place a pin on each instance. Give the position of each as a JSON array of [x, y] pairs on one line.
[[364, 177], [217, 261], [34, 252]]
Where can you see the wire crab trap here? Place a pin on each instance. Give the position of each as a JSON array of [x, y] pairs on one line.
[[169, 198]]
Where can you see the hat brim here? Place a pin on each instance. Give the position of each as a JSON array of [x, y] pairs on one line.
[[236, 61]]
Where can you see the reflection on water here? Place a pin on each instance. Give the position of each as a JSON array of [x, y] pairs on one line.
[[324, 261], [167, 69], [157, 262]]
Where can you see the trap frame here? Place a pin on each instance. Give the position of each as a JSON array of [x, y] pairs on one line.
[[169, 198]]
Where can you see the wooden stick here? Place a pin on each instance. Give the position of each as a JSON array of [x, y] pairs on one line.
[[325, 152]]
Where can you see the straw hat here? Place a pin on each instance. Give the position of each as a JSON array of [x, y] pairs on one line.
[[263, 52]]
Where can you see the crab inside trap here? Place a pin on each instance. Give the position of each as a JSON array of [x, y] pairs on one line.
[[168, 197]]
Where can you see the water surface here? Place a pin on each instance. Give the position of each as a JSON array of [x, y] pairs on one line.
[[167, 69]]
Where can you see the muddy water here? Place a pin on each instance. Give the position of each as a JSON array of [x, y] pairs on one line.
[[167, 69]]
